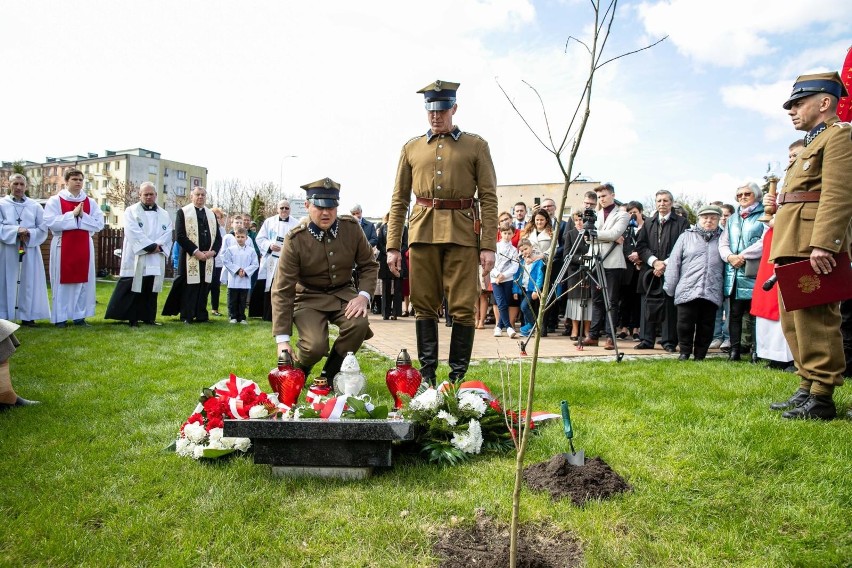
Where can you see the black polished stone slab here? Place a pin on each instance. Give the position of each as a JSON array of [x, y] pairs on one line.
[[322, 443]]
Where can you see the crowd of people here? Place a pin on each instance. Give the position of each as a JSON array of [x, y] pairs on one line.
[[617, 272]]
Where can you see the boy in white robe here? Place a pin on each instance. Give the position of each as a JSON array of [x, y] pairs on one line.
[[73, 218], [240, 261]]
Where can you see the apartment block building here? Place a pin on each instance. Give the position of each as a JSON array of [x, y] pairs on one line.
[[113, 179]]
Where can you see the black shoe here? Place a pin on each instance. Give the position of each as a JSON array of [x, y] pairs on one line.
[[28, 323], [133, 323], [19, 402], [791, 369], [61, 324], [683, 357], [670, 348], [81, 323], [849, 414], [734, 355], [385, 317], [814, 408], [622, 335], [755, 360], [643, 345], [797, 398]]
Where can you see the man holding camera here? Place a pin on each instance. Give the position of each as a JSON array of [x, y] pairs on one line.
[[609, 226]]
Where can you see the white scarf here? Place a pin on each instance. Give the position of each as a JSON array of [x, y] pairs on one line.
[[193, 265]]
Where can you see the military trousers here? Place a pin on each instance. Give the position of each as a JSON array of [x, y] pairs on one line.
[[442, 270], [312, 326], [819, 355]]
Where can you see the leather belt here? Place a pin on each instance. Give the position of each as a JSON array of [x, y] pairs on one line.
[[798, 197], [328, 289], [436, 203]]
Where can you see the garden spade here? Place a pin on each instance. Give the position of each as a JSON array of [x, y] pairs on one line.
[[576, 457]]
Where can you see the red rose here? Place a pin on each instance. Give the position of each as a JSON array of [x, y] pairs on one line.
[[215, 422]]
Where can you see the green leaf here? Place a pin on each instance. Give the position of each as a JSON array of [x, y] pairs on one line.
[[214, 454]]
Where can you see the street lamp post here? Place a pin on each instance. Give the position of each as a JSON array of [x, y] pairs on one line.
[[281, 174]]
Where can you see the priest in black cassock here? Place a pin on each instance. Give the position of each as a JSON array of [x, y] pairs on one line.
[[147, 244], [197, 233]]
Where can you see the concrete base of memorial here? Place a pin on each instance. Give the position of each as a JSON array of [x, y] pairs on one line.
[[345, 449]]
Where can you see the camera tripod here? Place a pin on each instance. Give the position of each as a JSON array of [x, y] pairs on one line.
[[591, 271]]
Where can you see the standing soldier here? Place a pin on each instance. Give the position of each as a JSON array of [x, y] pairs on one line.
[[813, 222], [313, 284], [451, 175]]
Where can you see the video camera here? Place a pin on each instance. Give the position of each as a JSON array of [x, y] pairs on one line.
[[589, 219]]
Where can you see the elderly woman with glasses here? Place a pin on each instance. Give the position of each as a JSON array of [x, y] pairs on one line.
[[740, 247]]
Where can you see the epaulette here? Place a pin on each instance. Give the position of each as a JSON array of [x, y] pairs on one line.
[[298, 229], [413, 139], [842, 124], [474, 135]]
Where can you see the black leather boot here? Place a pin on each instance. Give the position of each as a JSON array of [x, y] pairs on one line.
[[734, 355], [797, 398], [814, 408], [427, 348], [461, 345], [332, 366]]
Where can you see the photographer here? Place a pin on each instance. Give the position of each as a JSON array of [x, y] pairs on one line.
[[609, 228]]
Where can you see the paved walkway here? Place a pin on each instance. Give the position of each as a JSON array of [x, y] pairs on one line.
[[391, 336]]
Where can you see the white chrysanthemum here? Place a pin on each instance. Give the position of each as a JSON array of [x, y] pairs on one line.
[[195, 433], [183, 447], [258, 411], [474, 402], [469, 442], [242, 444], [216, 444], [430, 399], [449, 418], [216, 433], [297, 414], [198, 452]]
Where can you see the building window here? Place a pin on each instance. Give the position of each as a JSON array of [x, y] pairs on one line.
[[152, 170], [51, 172], [180, 190], [88, 185], [87, 168], [106, 166], [165, 189], [165, 172], [117, 166], [104, 184], [181, 174]]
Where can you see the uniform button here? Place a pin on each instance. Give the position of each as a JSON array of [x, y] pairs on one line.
[[439, 187], [333, 266], [331, 253], [439, 172], [439, 158], [328, 241], [837, 241], [441, 136], [440, 145], [333, 276]]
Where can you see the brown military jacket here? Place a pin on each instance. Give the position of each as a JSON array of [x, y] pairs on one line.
[[445, 166], [825, 165], [315, 270]]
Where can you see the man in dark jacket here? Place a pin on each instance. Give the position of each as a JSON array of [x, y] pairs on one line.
[[654, 243], [367, 226]]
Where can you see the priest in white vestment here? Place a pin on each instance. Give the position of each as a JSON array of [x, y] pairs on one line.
[[23, 285], [73, 218], [147, 244], [270, 241]]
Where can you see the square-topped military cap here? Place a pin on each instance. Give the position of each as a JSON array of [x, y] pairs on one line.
[[807, 85], [323, 193], [440, 95]]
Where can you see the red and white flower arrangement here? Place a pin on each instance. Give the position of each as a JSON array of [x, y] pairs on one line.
[[235, 398]]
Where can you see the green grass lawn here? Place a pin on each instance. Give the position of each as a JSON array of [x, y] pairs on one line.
[[719, 480]]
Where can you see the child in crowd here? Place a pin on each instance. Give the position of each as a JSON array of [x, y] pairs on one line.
[[529, 280], [502, 275], [240, 260]]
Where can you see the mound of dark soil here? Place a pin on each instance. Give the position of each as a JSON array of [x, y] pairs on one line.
[[595, 480], [487, 545]]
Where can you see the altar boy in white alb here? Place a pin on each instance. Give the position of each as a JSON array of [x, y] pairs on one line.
[[22, 231], [147, 242], [73, 218], [270, 241]]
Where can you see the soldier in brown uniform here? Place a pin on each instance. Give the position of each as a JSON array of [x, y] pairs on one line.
[[452, 177], [814, 221], [313, 283]]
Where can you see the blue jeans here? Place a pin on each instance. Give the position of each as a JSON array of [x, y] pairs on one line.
[[720, 331], [528, 305], [502, 294]]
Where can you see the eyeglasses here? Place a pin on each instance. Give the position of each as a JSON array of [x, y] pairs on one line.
[[284, 208], [741, 195]]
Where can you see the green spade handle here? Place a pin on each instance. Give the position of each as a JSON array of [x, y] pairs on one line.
[[566, 420]]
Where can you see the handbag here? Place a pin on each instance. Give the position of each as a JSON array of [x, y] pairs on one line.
[[751, 267]]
